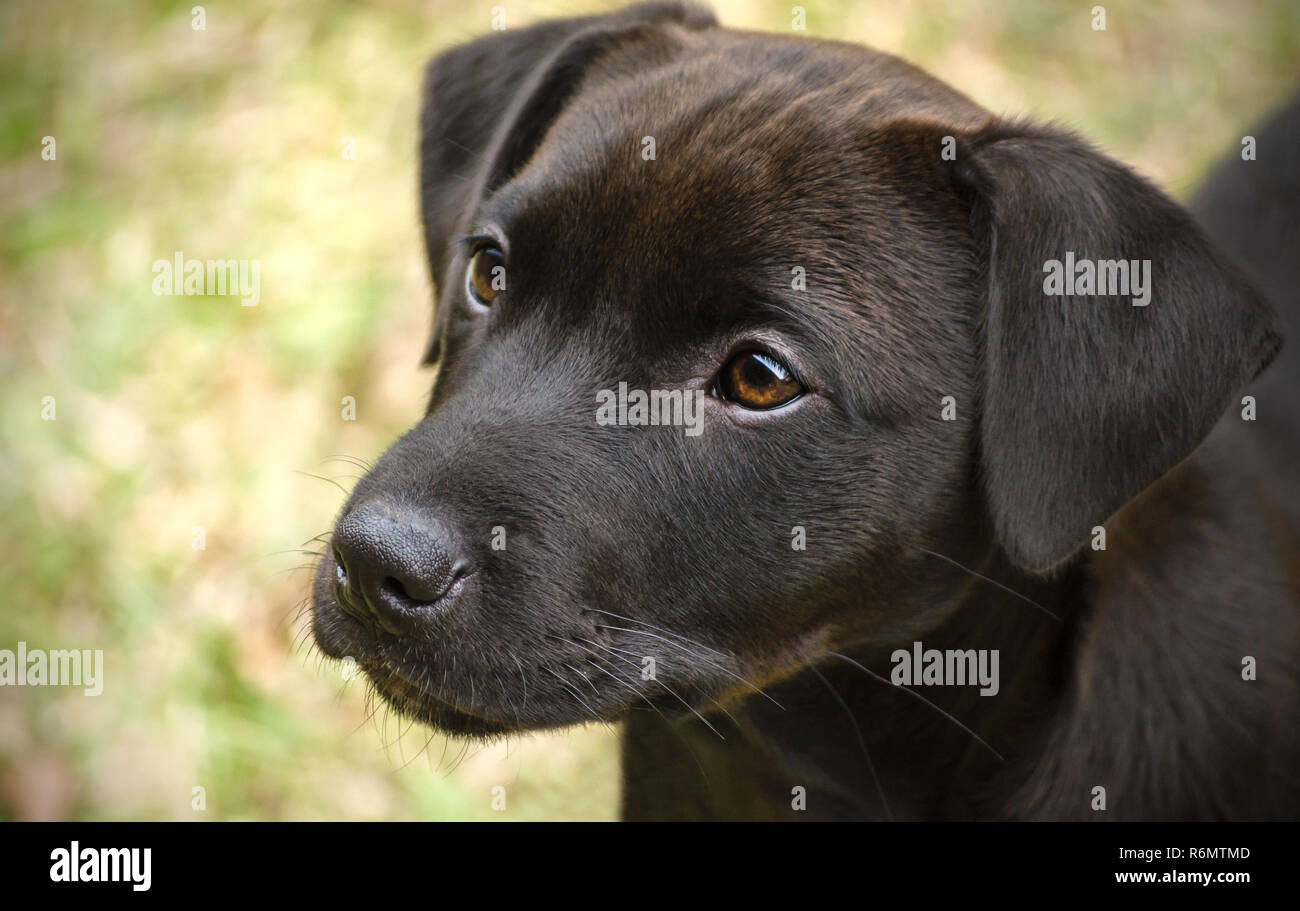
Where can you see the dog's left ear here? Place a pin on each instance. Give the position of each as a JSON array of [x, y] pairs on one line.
[[487, 105], [1089, 398]]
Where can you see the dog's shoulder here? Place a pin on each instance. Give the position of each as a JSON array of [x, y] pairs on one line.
[[1184, 681]]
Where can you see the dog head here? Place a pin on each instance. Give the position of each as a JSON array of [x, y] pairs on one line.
[[733, 330]]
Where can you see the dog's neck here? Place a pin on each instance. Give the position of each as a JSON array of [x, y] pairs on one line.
[[844, 727], [1060, 739]]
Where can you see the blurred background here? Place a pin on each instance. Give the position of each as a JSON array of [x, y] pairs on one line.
[[284, 132]]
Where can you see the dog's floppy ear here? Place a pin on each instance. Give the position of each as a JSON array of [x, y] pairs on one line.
[[1087, 399], [487, 105]]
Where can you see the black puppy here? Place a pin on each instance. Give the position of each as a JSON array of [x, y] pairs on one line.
[[767, 366]]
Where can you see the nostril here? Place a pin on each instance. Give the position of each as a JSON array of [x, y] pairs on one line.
[[396, 589], [421, 591]]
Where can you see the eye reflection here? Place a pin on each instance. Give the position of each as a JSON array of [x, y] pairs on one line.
[[757, 381]]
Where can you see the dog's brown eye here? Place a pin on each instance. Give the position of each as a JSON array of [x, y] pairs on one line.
[[757, 381], [486, 276]]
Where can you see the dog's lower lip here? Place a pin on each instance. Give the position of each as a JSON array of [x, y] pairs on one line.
[[390, 680], [417, 703], [386, 671]]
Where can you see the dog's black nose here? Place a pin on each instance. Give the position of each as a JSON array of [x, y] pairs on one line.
[[395, 563]]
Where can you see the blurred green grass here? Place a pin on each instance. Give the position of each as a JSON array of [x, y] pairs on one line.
[[176, 412]]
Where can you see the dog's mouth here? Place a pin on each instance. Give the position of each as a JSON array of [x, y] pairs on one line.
[[588, 667], [392, 666]]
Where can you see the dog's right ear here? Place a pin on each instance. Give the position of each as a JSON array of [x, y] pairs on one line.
[[487, 105]]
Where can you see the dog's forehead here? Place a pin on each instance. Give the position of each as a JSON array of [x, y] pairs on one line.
[[723, 149], [707, 193]]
